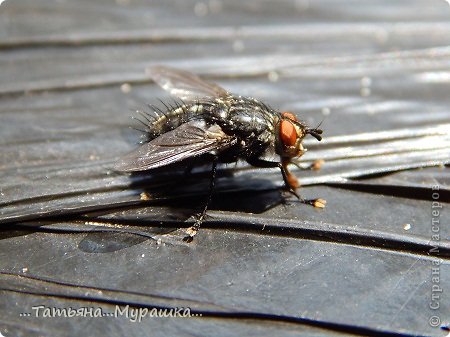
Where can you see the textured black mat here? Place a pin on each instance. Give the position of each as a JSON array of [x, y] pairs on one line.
[[76, 234]]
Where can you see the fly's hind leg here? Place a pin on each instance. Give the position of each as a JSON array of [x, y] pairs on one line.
[[193, 230]]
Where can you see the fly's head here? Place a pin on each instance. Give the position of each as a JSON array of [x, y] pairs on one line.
[[290, 135]]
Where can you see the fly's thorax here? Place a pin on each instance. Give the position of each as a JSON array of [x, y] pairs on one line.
[[245, 116], [250, 121]]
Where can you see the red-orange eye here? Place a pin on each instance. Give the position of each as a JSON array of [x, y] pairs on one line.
[[288, 134]]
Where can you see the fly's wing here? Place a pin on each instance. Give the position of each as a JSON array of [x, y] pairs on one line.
[[183, 84], [190, 139]]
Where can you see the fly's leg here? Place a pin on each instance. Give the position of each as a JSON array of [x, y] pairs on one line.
[[290, 181], [193, 230], [314, 166], [287, 177]]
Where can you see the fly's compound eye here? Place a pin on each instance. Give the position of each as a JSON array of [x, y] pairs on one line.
[[291, 136], [288, 134]]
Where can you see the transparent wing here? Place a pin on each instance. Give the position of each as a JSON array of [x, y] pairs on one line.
[[188, 140], [183, 84]]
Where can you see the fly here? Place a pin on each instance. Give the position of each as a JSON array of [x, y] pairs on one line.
[[212, 123]]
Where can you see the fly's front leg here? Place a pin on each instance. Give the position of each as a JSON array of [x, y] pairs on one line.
[[293, 182], [290, 180]]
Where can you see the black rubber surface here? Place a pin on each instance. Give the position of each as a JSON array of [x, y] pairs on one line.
[[75, 234]]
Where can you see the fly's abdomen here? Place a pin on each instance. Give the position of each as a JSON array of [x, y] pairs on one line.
[[165, 121]]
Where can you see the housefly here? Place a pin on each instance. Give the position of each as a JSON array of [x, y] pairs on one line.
[[211, 123]]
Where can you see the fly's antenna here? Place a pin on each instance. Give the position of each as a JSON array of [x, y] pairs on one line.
[[316, 132]]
